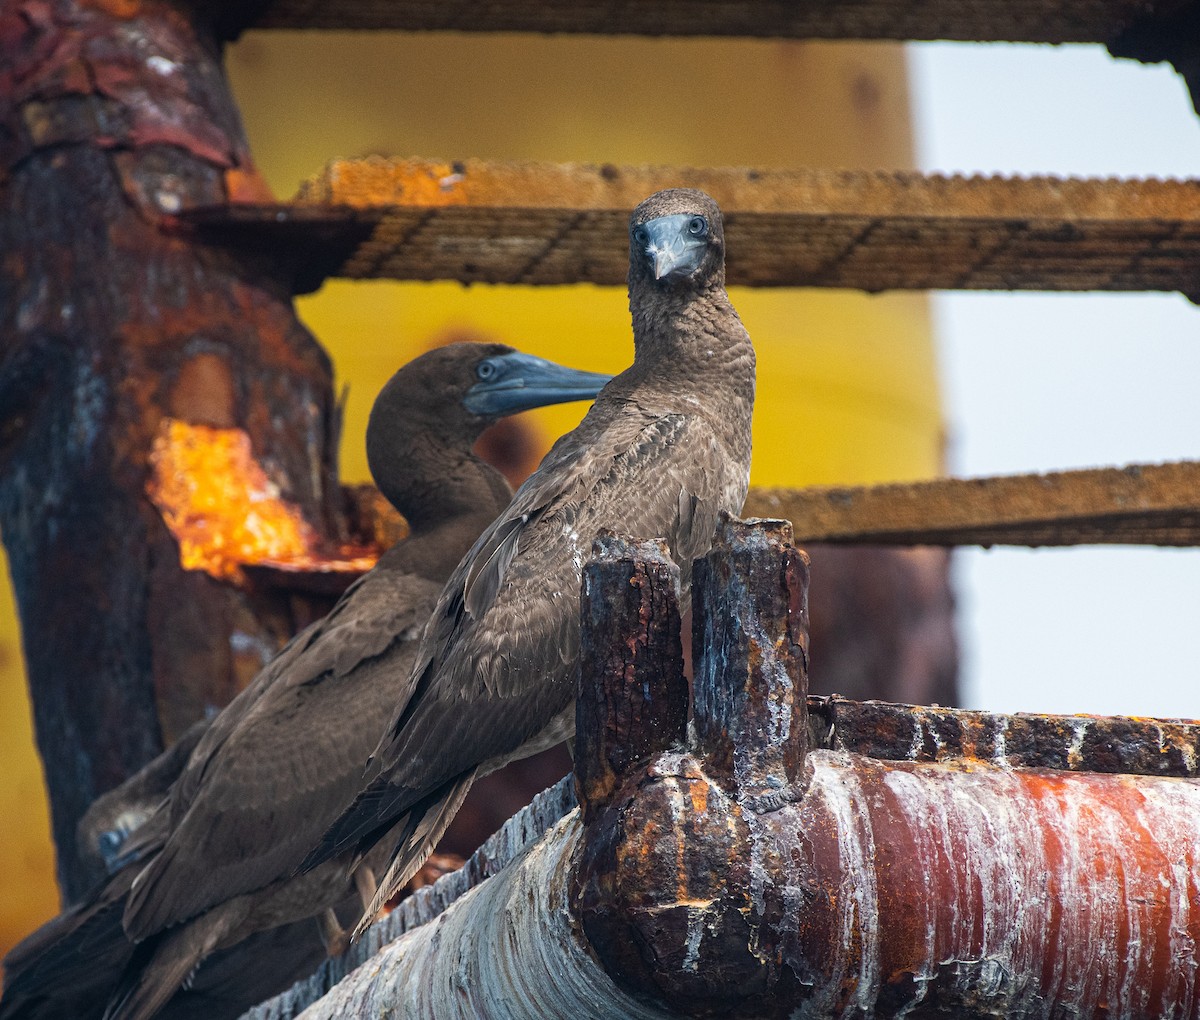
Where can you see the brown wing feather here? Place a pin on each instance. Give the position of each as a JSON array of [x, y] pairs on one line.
[[424, 828], [503, 656], [251, 808]]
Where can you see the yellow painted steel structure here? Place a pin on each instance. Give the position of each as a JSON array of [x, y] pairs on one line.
[[847, 382]]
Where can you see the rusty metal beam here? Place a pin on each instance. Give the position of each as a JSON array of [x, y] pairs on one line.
[[999, 20], [1142, 504], [541, 223], [1068, 743], [1143, 30]]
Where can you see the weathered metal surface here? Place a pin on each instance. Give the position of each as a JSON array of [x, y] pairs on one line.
[[1074, 743], [889, 889], [664, 885], [114, 117], [750, 642], [1000, 20], [946, 881], [985, 891], [499, 851], [508, 950], [540, 223], [634, 701], [1152, 504]]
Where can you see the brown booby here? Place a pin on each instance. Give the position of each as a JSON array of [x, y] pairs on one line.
[[662, 451], [213, 864]]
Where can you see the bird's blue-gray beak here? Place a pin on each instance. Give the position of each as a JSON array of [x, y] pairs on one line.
[[509, 383], [673, 246]]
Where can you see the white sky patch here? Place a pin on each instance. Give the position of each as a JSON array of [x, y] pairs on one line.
[[1036, 382]]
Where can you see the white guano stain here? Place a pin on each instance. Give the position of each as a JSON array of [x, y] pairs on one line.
[[507, 950], [1040, 893], [918, 739], [695, 933], [841, 796], [1188, 751], [1079, 730], [1000, 755], [1179, 878]]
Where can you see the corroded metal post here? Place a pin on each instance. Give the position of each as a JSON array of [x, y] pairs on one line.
[[670, 891], [632, 700], [115, 119], [750, 641]]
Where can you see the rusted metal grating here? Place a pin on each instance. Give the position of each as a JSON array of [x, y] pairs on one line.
[[987, 20], [1152, 504], [539, 223]]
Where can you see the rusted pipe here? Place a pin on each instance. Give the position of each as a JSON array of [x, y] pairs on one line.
[[981, 890], [951, 887]]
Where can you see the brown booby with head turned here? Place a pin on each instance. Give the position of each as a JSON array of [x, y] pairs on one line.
[[214, 863], [662, 451]]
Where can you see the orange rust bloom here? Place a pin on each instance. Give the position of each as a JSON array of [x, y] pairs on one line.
[[223, 509]]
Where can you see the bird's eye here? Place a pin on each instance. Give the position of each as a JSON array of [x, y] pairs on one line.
[[641, 236], [486, 370], [698, 226]]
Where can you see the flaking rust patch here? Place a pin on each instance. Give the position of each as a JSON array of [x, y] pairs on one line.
[[699, 792]]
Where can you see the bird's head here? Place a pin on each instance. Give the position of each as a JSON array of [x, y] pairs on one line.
[[454, 392], [506, 381], [676, 236]]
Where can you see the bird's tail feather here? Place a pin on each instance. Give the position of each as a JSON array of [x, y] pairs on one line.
[[420, 832], [360, 827], [163, 964]]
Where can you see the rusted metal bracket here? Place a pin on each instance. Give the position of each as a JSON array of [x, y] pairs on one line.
[[301, 245], [1169, 32]]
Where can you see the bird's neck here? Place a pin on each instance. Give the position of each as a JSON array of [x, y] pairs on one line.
[[693, 339], [446, 494]]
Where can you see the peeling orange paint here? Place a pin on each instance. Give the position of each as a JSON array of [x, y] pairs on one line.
[[412, 182], [245, 184]]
